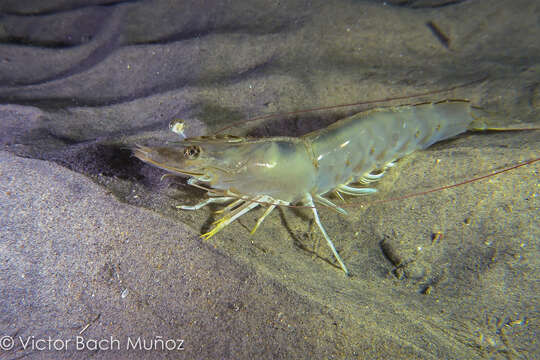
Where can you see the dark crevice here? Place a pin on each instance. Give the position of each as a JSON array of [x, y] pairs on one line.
[[25, 41], [95, 159], [221, 30], [62, 138], [423, 4], [106, 160], [67, 8], [62, 102], [100, 53]]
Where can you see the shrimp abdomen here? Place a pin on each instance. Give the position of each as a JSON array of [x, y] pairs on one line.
[[357, 145]]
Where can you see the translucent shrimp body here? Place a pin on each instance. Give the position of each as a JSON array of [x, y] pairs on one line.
[[250, 172], [348, 150]]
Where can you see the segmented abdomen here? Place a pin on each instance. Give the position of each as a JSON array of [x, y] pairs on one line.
[[357, 145]]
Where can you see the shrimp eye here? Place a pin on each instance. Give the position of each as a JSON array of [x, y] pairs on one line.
[[192, 152]]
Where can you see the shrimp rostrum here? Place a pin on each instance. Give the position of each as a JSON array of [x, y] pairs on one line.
[[343, 159]]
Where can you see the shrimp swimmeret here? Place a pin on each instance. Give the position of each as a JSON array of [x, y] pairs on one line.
[[342, 158]]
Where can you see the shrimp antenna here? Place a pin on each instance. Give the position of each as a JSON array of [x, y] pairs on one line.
[[331, 107], [498, 172]]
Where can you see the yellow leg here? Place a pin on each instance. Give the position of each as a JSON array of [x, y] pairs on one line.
[[229, 218], [261, 219]]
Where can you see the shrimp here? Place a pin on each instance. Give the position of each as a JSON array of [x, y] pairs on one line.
[[343, 159]]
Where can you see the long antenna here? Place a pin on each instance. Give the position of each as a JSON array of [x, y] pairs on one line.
[[367, 102]]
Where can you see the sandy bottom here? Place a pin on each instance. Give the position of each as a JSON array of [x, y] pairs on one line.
[[92, 246]]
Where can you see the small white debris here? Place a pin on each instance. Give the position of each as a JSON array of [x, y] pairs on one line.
[[177, 126]]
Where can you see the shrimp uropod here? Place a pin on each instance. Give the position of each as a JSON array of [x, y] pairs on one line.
[[343, 158]]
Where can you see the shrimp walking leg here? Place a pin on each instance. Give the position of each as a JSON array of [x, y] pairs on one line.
[[261, 219], [230, 207], [212, 200], [309, 200], [235, 214]]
